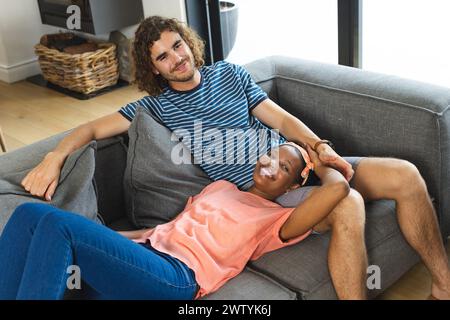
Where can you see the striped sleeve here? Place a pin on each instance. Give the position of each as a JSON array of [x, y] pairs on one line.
[[148, 103], [255, 95]]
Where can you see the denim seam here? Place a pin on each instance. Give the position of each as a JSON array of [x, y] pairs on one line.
[[136, 267], [63, 274]]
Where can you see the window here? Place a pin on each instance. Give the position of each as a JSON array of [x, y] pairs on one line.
[[408, 38], [302, 28]]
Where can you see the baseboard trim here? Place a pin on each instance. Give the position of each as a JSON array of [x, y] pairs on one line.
[[19, 71]]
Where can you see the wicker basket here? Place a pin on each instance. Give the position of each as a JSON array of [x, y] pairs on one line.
[[86, 72]]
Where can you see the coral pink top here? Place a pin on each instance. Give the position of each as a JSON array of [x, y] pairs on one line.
[[219, 231]]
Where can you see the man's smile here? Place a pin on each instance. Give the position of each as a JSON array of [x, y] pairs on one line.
[[182, 67]]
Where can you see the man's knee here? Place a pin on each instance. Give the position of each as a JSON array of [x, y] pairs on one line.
[[350, 212], [406, 179]]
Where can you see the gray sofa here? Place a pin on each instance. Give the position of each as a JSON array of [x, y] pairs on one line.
[[364, 114]]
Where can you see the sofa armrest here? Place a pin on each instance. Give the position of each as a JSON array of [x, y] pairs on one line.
[[369, 114], [28, 156], [110, 165]]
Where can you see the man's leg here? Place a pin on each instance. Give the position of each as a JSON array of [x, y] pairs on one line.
[[347, 257], [399, 180]]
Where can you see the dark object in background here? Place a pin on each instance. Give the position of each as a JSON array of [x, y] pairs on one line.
[[124, 55], [81, 48], [68, 43], [229, 17], [97, 16]]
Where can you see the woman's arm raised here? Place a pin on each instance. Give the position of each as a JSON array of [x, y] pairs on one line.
[[319, 204]]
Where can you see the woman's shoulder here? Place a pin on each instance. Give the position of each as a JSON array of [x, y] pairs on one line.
[[220, 185]]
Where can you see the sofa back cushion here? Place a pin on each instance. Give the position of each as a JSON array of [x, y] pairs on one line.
[[156, 188]]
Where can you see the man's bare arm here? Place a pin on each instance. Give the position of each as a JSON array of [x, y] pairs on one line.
[[43, 179], [271, 114]]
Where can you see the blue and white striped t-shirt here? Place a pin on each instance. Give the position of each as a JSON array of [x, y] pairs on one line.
[[215, 121]]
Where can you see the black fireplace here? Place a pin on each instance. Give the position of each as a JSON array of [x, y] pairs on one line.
[[97, 16]]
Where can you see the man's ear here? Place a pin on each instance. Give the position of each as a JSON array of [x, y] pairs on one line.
[[154, 70], [152, 66]]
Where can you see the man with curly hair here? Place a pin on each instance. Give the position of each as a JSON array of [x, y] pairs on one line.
[[170, 67]]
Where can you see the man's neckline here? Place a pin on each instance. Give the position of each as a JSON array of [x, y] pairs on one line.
[[190, 90]]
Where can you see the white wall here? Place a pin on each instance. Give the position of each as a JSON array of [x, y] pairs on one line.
[[165, 8], [21, 29], [3, 59]]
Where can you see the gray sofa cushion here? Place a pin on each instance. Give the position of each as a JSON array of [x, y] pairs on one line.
[[75, 191], [251, 285], [156, 189]]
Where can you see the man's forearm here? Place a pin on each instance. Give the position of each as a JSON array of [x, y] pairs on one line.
[[272, 115], [294, 129], [79, 137]]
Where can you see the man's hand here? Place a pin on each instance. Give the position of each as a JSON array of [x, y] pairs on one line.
[[43, 179], [330, 158]]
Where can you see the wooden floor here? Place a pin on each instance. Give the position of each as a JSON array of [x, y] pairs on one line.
[[29, 113]]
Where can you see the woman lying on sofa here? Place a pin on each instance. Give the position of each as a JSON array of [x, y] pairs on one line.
[[210, 242]]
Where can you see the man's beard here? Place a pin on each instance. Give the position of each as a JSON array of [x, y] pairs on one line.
[[187, 76]]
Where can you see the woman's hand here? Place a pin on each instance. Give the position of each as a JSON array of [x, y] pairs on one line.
[[43, 179], [330, 158], [134, 234], [315, 159]]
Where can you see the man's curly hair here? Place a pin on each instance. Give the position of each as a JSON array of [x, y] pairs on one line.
[[150, 31]]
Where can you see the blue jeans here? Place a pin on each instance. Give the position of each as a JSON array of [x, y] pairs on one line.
[[41, 242]]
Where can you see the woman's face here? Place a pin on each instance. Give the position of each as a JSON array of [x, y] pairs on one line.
[[278, 171]]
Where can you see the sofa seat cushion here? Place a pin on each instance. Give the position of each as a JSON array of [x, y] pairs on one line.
[[251, 285], [303, 267]]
